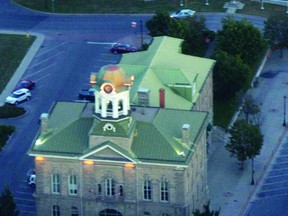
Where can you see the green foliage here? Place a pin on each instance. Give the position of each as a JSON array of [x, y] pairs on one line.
[[276, 31], [162, 24], [192, 30], [240, 38], [249, 107], [230, 75], [8, 111], [194, 36], [5, 132], [7, 204], [206, 212], [245, 141]]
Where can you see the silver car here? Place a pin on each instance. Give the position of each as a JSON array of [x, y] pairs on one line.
[[182, 14]]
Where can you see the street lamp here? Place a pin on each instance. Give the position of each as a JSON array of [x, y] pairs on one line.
[[284, 120], [206, 2], [141, 31], [262, 7], [252, 180]]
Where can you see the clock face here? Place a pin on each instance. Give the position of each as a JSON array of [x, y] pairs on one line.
[[108, 88]]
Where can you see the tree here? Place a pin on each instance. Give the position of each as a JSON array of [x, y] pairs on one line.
[[192, 30], [7, 204], [162, 24], [230, 75], [276, 31], [245, 141], [206, 212], [194, 35], [249, 107], [240, 38]]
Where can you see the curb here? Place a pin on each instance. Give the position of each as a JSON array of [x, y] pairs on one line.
[[24, 63]]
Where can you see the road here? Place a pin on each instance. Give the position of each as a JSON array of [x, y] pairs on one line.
[[74, 46]]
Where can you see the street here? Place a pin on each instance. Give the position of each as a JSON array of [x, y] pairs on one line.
[[73, 47]]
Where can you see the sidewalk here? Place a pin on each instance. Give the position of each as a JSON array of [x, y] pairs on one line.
[[230, 188], [24, 63]]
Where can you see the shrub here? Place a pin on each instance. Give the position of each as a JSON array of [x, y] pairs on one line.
[[5, 132], [8, 111]]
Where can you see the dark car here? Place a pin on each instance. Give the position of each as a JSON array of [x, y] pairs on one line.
[[28, 84], [123, 48], [87, 94]]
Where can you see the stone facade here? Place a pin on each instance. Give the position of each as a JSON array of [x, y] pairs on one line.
[[187, 186]]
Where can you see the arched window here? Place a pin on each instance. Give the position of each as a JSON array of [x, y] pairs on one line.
[[147, 192], [99, 189], [74, 211], [121, 191], [55, 210], [109, 212], [72, 185]]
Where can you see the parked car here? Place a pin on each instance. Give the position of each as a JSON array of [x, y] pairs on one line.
[[87, 94], [18, 96], [182, 14], [123, 48], [31, 177], [28, 84]]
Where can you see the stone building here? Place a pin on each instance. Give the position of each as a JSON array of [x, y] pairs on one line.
[[140, 149]]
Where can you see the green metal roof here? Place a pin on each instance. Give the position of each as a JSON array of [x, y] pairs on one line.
[[165, 65], [157, 141]]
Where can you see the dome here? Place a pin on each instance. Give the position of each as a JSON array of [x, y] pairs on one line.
[[115, 75]]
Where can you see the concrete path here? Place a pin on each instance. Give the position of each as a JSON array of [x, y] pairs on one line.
[[230, 188]]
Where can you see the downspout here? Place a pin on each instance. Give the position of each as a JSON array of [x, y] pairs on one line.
[[81, 186]]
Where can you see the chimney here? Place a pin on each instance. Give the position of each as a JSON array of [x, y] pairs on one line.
[[44, 122], [185, 133], [162, 97]]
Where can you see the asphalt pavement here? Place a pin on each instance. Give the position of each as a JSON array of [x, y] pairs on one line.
[[230, 188]]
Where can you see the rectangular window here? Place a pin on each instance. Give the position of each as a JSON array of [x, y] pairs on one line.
[[110, 188], [55, 183], [73, 185], [164, 191], [147, 190]]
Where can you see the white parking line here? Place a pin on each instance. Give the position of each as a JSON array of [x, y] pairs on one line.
[[100, 60], [46, 59], [43, 77], [28, 200], [39, 71], [99, 43], [21, 186], [30, 212], [56, 47], [21, 192]]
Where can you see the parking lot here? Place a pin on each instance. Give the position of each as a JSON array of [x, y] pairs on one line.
[[60, 70]]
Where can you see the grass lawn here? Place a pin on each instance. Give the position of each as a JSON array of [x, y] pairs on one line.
[[13, 49], [142, 6]]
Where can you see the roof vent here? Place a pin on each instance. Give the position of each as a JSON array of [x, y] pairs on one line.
[[185, 133]]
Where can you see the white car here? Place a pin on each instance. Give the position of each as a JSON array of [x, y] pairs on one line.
[[31, 177], [181, 14], [18, 96]]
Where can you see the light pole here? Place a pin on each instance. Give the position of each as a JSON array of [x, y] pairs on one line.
[[262, 6], [252, 180], [284, 120], [141, 32]]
